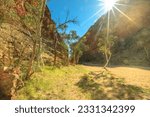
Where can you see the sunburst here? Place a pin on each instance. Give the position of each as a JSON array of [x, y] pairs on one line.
[[109, 6]]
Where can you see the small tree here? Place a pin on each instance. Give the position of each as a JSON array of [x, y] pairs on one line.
[[105, 46], [67, 37], [70, 38], [77, 50], [33, 21]]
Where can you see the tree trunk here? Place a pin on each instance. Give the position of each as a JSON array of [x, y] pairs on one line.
[[108, 57], [147, 54], [29, 70], [55, 49], [39, 32]]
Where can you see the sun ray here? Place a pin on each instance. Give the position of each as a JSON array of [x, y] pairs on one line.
[[111, 6], [100, 27], [113, 12], [108, 25], [118, 4], [130, 19], [98, 12]]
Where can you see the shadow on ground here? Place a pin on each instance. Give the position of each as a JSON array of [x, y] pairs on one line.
[[106, 86]]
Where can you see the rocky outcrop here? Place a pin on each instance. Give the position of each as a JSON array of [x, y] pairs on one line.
[[130, 26], [16, 26]]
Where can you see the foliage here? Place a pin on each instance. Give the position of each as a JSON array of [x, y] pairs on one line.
[[67, 38], [77, 50]]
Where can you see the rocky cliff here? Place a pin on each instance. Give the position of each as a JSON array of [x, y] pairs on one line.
[[19, 20], [130, 27]]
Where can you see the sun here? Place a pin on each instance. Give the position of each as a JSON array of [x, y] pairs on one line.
[[108, 4]]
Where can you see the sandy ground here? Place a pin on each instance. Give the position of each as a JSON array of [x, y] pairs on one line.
[[138, 76]]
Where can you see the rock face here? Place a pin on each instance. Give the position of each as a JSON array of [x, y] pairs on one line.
[[15, 26], [18, 21], [131, 28]]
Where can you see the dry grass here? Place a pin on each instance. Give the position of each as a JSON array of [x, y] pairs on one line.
[[87, 82]]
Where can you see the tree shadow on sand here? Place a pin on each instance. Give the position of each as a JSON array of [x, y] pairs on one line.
[[106, 86]]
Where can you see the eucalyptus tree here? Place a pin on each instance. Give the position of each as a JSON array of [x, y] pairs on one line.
[[61, 32]]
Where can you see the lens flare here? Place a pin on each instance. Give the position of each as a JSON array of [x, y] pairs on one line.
[[109, 4]]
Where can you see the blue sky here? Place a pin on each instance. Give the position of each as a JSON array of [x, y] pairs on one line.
[[82, 9]]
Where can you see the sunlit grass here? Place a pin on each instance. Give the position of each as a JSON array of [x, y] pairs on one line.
[[84, 82], [52, 83]]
